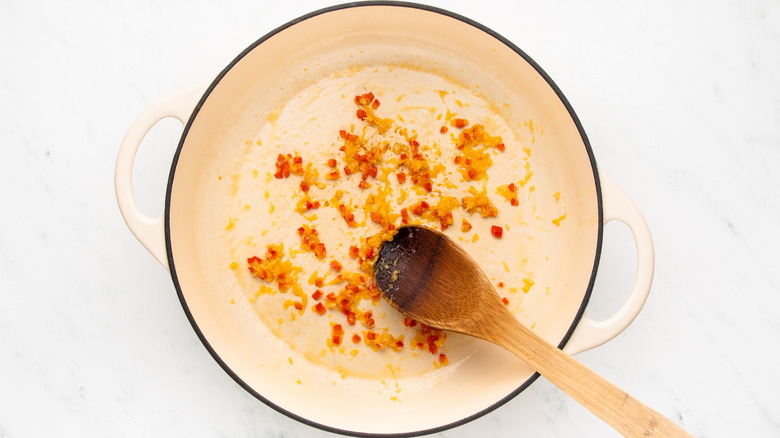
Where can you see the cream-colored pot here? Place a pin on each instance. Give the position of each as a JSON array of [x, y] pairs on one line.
[[295, 86]]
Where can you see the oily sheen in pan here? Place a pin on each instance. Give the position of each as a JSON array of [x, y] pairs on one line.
[[313, 198]]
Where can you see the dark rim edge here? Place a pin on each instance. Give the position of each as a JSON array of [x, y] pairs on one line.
[[224, 72]]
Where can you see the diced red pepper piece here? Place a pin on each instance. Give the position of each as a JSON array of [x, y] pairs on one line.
[[364, 99], [319, 250], [459, 123]]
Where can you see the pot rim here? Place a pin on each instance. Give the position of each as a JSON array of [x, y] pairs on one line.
[[207, 93]]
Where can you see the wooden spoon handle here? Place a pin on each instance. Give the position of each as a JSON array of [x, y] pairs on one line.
[[624, 413]]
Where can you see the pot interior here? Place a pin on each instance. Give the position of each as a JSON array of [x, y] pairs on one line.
[[293, 91]]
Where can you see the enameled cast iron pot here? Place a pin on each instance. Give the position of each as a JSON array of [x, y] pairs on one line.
[[218, 116]]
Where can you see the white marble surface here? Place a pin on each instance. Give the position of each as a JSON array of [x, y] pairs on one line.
[[682, 106]]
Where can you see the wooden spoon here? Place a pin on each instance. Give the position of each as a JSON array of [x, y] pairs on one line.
[[428, 277]]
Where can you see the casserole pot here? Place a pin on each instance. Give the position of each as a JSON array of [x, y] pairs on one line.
[[221, 124]]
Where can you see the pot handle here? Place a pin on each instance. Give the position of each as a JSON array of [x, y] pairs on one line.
[[148, 230], [617, 206]]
